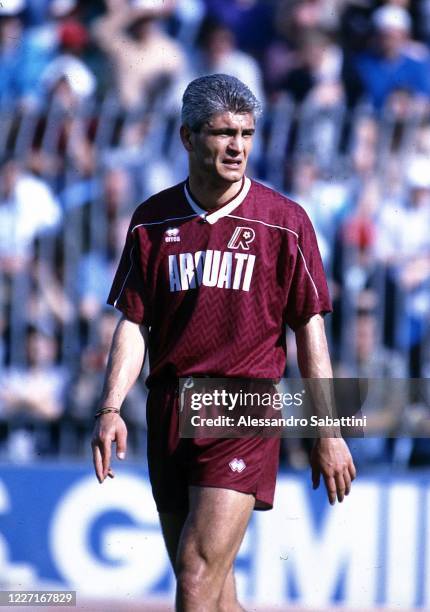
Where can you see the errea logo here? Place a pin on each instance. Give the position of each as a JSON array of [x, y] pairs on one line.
[[172, 235], [237, 465], [242, 237]]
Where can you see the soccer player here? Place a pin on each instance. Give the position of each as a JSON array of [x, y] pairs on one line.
[[213, 270]]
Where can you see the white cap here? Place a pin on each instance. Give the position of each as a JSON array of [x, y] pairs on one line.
[[418, 173], [60, 8], [11, 7], [392, 18]]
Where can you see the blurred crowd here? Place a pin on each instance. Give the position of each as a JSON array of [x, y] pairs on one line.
[[90, 94]]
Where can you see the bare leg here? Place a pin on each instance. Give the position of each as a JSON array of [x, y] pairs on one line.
[[209, 542], [171, 527], [228, 600]]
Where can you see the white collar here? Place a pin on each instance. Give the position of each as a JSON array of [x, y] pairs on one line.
[[224, 210]]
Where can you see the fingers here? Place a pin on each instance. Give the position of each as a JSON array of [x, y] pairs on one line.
[[330, 485], [104, 434], [121, 444], [347, 481], [97, 461], [340, 486], [349, 475], [106, 456], [336, 487], [352, 471], [316, 475], [100, 461], [332, 459]]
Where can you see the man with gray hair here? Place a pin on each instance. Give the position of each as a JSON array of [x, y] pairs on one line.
[[212, 271]]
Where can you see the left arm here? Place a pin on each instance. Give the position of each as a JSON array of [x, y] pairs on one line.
[[330, 456]]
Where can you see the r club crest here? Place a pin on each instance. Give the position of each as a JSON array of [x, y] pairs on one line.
[[242, 238]]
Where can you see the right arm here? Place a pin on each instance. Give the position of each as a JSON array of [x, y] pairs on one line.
[[125, 363], [110, 30], [330, 456]]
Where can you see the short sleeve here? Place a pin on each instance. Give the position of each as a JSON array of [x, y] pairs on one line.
[[308, 293], [127, 293]]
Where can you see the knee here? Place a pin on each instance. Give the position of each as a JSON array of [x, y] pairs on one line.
[[189, 585], [199, 581]]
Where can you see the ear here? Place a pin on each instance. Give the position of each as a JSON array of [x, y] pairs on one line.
[[186, 134]]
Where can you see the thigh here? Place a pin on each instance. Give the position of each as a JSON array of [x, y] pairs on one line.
[[214, 528], [172, 525]]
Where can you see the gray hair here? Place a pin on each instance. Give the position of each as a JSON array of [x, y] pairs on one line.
[[214, 94]]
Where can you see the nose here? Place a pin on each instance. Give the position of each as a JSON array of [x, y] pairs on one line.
[[236, 144]]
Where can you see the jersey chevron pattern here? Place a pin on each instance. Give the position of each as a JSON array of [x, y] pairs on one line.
[[216, 289]]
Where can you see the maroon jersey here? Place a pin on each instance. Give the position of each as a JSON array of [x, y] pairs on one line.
[[217, 288]]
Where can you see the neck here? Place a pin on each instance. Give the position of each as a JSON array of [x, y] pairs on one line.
[[213, 195]]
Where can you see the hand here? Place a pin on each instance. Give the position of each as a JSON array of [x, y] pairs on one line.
[[108, 428], [331, 458]]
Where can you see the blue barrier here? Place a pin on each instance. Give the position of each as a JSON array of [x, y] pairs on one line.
[[59, 528]]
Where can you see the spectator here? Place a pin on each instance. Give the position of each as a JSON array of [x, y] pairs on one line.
[[316, 71], [38, 389], [27, 209], [67, 69], [305, 190], [218, 54], [369, 358], [250, 21], [388, 67], [11, 56], [86, 385], [404, 246], [385, 402], [292, 20], [358, 228], [33, 48], [325, 201], [96, 267], [356, 274], [144, 58], [363, 152], [48, 303]]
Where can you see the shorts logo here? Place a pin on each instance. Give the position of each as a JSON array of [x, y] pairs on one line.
[[242, 237], [237, 465], [172, 235]]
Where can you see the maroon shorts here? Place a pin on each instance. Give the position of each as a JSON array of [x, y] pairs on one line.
[[248, 465]]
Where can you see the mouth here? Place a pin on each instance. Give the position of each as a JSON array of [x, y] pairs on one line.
[[232, 163]]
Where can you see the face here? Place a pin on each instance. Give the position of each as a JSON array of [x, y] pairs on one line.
[[41, 349], [392, 41], [220, 43], [219, 151]]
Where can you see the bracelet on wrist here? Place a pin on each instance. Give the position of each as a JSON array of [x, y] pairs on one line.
[[106, 411]]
